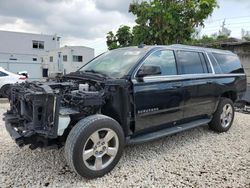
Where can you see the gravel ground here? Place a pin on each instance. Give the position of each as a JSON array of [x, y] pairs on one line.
[[195, 158]]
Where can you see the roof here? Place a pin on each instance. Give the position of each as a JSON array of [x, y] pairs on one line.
[[75, 47], [72, 48], [27, 33], [228, 42]]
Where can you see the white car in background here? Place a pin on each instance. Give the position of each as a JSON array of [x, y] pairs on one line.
[[7, 78]]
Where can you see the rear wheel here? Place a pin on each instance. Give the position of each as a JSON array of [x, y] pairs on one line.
[[94, 146], [224, 116], [5, 91]]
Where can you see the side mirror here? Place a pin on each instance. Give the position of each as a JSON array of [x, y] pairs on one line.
[[148, 71]]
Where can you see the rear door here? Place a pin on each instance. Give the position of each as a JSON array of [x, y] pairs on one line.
[[158, 99], [197, 80]]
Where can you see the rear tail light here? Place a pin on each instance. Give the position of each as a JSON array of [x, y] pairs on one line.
[[22, 78]]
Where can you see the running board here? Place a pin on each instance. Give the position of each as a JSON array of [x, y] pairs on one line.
[[167, 131]]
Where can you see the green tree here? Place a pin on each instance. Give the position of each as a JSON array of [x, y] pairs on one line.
[[169, 21], [204, 40], [124, 36], [247, 38], [111, 41], [162, 22]]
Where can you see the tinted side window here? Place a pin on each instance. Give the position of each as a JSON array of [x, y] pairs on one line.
[[216, 67], [165, 59], [229, 63], [3, 74], [190, 62]]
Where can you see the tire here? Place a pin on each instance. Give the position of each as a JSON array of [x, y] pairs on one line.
[[83, 139], [5, 91], [219, 122]]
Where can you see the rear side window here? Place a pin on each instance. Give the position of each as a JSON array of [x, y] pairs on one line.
[[190, 63], [3, 74], [228, 63]]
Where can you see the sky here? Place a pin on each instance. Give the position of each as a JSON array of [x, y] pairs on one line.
[[86, 22]]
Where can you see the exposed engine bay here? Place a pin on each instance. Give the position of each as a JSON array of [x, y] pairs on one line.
[[43, 113], [49, 108]]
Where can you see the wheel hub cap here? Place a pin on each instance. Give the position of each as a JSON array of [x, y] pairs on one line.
[[100, 149], [226, 115]]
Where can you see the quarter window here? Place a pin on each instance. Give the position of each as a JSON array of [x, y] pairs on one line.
[[165, 59], [228, 63], [216, 67], [190, 62]]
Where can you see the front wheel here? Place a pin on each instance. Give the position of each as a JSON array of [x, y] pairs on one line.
[[224, 116], [94, 146]]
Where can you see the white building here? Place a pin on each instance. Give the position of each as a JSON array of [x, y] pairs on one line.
[[40, 54], [21, 51], [67, 59]]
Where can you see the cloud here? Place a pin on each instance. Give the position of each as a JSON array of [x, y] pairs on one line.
[[85, 19], [85, 22], [113, 5], [6, 20], [28, 9]]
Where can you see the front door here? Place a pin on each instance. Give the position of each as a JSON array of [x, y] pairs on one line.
[[158, 98]]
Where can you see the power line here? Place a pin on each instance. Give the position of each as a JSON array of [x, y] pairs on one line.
[[230, 18]]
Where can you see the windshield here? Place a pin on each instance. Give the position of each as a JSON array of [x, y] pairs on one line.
[[114, 64]]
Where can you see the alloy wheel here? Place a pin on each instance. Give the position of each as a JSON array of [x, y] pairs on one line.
[[226, 115], [100, 149]]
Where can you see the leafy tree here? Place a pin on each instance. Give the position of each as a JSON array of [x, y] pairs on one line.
[[222, 37], [213, 41], [111, 40], [162, 22], [124, 36], [247, 38], [169, 21], [204, 40]]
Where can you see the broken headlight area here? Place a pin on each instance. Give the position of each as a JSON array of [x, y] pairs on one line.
[[40, 113]]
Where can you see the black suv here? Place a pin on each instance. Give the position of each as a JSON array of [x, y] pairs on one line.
[[126, 96]]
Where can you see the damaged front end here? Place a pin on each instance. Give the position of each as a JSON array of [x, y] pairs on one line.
[[42, 114]]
